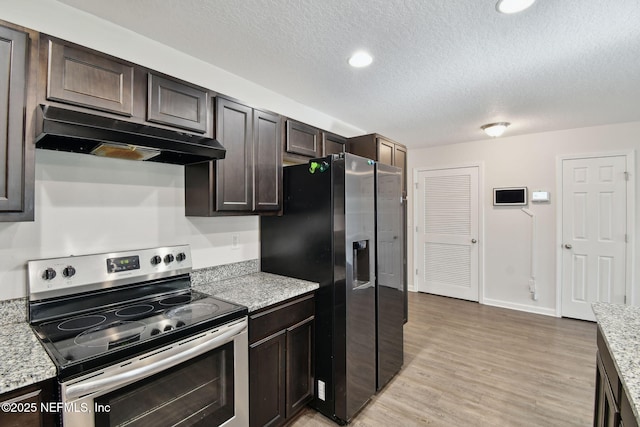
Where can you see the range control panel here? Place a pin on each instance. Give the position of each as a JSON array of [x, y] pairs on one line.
[[69, 275], [123, 263]]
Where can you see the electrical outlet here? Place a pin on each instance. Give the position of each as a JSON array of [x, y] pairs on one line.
[[234, 241]]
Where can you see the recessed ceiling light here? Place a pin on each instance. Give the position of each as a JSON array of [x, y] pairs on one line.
[[360, 59], [513, 6], [495, 130]]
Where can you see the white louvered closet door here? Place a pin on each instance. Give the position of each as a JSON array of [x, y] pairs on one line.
[[447, 228]]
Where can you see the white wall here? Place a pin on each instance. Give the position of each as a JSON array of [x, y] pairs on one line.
[[86, 204], [528, 160]]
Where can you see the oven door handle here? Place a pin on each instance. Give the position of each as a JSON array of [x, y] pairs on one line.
[[84, 388]]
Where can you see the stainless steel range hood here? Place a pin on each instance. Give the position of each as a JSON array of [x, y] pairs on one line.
[[69, 130]]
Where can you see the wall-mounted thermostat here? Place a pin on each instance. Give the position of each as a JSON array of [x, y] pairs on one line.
[[540, 196]]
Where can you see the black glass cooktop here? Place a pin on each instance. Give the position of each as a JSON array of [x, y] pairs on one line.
[[93, 338]]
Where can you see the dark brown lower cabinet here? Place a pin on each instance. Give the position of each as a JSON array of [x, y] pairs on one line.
[[280, 361], [612, 407], [606, 413], [23, 407], [267, 381]]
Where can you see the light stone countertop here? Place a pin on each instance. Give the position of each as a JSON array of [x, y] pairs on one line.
[[23, 359], [257, 290], [620, 325], [13, 311]]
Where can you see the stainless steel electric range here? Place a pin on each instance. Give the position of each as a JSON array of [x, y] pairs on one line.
[[134, 344]]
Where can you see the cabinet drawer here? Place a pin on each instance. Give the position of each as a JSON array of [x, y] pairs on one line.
[[274, 319], [176, 104], [79, 77]]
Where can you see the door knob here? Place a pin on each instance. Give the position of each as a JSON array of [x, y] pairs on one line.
[[568, 246], [474, 241]]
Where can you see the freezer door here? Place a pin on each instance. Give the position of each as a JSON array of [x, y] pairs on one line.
[[360, 338], [390, 293]]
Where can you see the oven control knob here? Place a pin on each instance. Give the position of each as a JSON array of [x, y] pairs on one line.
[[181, 257], [49, 274], [68, 271], [168, 258], [155, 260]]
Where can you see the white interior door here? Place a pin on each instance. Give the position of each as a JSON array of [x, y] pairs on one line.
[[447, 254], [594, 227]]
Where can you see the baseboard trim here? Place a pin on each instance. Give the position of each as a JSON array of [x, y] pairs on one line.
[[520, 307]]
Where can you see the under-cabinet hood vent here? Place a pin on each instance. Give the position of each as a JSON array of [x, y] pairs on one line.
[[69, 130]]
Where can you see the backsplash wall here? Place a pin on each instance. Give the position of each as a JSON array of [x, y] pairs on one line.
[[85, 204]]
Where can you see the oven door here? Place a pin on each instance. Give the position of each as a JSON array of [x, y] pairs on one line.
[[199, 381]]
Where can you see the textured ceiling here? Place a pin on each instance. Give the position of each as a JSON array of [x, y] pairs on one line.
[[442, 68]]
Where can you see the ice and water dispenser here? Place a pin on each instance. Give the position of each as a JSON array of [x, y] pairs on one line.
[[361, 267]]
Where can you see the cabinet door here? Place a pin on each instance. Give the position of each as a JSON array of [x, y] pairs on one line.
[[89, 80], [176, 104], [302, 139], [13, 74], [606, 410], [267, 381], [385, 151], [299, 366], [267, 161], [29, 397], [400, 160], [332, 143], [627, 417], [234, 173]]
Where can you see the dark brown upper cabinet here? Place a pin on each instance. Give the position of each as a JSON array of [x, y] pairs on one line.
[[80, 77], [18, 56], [89, 80], [175, 103], [332, 143], [234, 175], [400, 160], [267, 139], [303, 139], [381, 149], [248, 179], [304, 142]]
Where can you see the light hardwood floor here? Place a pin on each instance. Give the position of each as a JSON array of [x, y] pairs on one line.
[[468, 364]]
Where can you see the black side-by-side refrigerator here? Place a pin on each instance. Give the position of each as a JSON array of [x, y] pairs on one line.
[[327, 234], [390, 291]]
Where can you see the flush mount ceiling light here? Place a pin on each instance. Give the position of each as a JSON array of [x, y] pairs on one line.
[[495, 130], [513, 6], [360, 59]]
